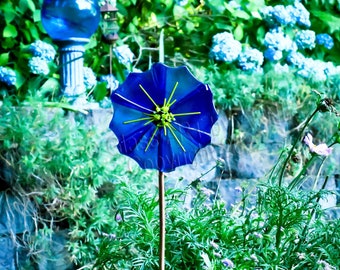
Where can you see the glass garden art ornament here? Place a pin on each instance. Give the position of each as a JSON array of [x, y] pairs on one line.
[[162, 117], [70, 23]]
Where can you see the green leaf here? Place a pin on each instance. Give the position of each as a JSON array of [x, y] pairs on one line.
[[10, 31], [260, 33], [37, 15], [238, 32], [241, 14], [20, 79], [9, 15], [32, 29], [190, 26], [51, 85], [26, 4], [223, 26], [217, 6], [4, 59], [179, 12], [330, 20], [100, 91], [31, 5]]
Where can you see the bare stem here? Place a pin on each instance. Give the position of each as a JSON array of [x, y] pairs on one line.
[[161, 220]]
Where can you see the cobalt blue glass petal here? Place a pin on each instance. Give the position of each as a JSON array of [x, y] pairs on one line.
[[171, 155], [122, 114], [131, 89], [197, 125], [162, 117]]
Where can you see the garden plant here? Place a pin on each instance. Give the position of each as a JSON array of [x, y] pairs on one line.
[[272, 71]]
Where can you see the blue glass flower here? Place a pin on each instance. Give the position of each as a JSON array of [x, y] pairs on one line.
[[162, 117]]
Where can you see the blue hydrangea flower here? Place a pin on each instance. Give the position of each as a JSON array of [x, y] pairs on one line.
[[267, 14], [43, 50], [275, 39], [225, 47], [330, 69], [313, 69], [7, 76], [250, 60], [282, 15], [301, 15], [90, 79], [111, 82], [272, 54], [286, 15], [279, 68], [296, 59], [162, 117], [325, 40], [305, 39], [292, 47], [38, 65], [124, 54]]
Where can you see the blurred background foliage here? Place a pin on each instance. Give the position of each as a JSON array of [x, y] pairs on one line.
[[188, 26]]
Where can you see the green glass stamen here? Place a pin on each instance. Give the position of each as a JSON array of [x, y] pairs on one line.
[[148, 122], [136, 120], [147, 94], [172, 128], [185, 114], [172, 103], [172, 93], [152, 136], [161, 117]]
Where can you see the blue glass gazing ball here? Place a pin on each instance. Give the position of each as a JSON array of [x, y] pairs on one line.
[[70, 19]]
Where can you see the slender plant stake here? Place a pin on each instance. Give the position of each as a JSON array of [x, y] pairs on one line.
[[161, 118], [161, 197]]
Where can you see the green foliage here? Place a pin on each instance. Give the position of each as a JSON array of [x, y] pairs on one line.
[[277, 229], [68, 168], [272, 233], [20, 26]]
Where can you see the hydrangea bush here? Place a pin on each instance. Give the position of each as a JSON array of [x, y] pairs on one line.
[[287, 41]]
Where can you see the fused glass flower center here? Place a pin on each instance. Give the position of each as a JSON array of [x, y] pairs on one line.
[[162, 117]]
